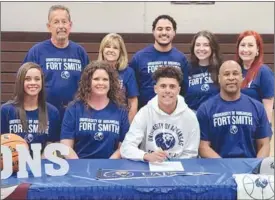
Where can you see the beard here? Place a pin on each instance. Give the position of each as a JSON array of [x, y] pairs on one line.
[[163, 44]]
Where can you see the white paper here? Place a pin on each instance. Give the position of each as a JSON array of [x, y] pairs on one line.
[[166, 166]]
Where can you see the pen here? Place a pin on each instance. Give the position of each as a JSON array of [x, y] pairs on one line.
[[166, 156]]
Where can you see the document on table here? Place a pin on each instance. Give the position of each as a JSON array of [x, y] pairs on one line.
[[166, 166]]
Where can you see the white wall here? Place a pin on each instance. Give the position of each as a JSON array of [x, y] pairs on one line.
[[137, 17]]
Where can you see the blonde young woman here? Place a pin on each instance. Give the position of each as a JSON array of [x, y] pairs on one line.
[[112, 49]]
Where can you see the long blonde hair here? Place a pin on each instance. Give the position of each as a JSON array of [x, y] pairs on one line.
[[109, 39]]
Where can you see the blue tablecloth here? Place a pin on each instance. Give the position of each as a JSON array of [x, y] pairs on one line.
[[81, 183]]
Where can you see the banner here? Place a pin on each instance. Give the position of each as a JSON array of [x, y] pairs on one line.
[[113, 174], [14, 192]]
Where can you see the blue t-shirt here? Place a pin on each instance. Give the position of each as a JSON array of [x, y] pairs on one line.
[[232, 127], [11, 123], [262, 87], [62, 68], [200, 87], [128, 82], [96, 133], [147, 60]]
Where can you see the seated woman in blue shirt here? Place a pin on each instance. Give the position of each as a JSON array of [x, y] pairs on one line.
[[27, 114], [96, 122], [203, 70], [258, 81]]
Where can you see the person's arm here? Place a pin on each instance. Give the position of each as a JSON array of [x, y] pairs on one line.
[[85, 58], [134, 65], [206, 151], [4, 120], [68, 130], [263, 147], [263, 133], [133, 104], [185, 69], [156, 156], [116, 154], [70, 144], [31, 55], [132, 93], [268, 105], [129, 148], [267, 90], [192, 139], [54, 124]]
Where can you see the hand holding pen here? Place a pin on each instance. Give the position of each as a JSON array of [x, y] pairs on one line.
[[156, 156]]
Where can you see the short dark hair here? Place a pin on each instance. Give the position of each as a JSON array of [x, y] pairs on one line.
[[168, 72], [171, 19]]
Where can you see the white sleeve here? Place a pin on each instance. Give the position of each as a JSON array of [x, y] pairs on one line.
[[129, 148], [192, 141]]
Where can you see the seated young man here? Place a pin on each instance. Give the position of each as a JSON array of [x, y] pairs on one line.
[[165, 127], [232, 124]]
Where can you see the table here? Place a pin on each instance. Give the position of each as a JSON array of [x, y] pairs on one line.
[[81, 183]]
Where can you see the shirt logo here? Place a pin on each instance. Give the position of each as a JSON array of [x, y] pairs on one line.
[[165, 141], [233, 129], [65, 74], [99, 136], [205, 87], [29, 137]]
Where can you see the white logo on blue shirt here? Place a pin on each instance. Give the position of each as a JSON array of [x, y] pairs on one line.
[[233, 129], [65, 74], [205, 87], [29, 137], [99, 136]]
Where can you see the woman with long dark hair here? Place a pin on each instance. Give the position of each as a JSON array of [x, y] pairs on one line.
[[204, 68], [28, 114]]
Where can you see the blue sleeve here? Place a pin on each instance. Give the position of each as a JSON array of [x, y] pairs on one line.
[[264, 128], [184, 86], [134, 65], [86, 59], [31, 57], [54, 129], [186, 79], [131, 85], [124, 125], [267, 82], [68, 128], [4, 120], [204, 123]]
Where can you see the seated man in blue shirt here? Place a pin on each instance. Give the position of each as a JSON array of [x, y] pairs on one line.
[[232, 124]]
